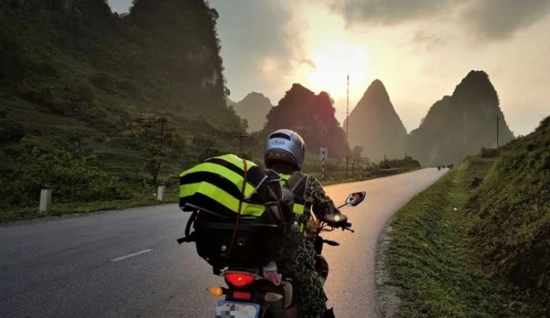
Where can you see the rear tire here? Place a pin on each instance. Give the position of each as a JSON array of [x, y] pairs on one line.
[[290, 312]]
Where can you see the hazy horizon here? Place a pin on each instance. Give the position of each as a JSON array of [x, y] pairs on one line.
[[420, 50]]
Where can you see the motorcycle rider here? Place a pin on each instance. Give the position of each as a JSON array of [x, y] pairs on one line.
[[285, 153]]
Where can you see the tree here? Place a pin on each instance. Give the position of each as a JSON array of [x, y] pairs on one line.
[[157, 140], [209, 152], [136, 134], [244, 124], [356, 152], [356, 155]]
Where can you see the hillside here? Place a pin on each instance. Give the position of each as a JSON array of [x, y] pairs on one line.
[[512, 215], [495, 260], [460, 124], [230, 103], [375, 126], [312, 116], [253, 108], [75, 76]]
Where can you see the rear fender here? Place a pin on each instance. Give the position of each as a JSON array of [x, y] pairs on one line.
[[285, 289]]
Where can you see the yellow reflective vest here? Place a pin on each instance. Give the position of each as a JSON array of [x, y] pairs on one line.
[[216, 185]]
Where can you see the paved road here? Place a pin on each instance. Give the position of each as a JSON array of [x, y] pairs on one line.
[[128, 264]]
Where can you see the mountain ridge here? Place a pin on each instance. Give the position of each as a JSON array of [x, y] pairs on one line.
[[254, 108], [312, 116], [76, 71], [460, 124], [375, 125]]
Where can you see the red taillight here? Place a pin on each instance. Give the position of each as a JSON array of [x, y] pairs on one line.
[[239, 279], [242, 295]]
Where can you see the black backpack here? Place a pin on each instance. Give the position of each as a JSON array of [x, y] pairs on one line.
[[225, 238]]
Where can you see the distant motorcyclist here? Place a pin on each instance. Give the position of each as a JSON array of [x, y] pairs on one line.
[[285, 153]]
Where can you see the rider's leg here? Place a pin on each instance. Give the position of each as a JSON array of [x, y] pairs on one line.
[[309, 294]]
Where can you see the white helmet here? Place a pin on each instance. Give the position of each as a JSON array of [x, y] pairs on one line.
[[285, 147]]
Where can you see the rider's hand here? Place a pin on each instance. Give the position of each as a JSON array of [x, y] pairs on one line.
[[336, 219]]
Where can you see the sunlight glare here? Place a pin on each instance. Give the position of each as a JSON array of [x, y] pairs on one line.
[[334, 60], [335, 53]]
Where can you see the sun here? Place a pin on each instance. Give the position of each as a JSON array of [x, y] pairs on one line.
[[333, 61]]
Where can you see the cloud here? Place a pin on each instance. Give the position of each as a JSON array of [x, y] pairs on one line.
[[260, 40], [499, 19], [389, 12], [430, 39], [484, 19], [309, 63]]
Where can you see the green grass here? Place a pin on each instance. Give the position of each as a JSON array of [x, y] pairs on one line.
[[144, 198], [58, 209], [76, 85], [511, 215], [431, 260]]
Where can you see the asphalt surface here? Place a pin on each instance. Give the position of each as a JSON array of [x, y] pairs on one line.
[[128, 264]]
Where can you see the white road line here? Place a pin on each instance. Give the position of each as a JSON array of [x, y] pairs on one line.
[[130, 255]]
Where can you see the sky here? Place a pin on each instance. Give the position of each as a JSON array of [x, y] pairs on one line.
[[419, 49]]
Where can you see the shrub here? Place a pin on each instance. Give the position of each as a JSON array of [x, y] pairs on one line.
[[74, 179], [489, 152], [513, 228]]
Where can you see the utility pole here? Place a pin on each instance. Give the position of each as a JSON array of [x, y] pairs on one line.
[[323, 153], [498, 118], [241, 137], [347, 127]]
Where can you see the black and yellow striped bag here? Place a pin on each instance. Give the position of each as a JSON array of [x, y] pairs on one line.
[[236, 211], [218, 185]]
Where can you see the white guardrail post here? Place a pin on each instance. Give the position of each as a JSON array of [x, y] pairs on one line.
[[45, 199], [160, 191]]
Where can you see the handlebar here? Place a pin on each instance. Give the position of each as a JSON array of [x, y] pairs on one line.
[[343, 225], [347, 226]]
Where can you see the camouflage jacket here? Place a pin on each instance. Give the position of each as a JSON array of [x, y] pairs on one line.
[[320, 202]]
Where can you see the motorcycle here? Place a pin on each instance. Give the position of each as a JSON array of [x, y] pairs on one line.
[[248, 294]]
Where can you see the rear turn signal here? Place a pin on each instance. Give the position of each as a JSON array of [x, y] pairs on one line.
[[239, 279], [215, 291]]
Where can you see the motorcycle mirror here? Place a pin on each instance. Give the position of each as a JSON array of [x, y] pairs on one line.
[[355, 198]]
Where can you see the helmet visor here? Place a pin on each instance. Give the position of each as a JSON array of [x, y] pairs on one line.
[[279, 156]]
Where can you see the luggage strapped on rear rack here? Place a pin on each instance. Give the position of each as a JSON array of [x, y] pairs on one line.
[[236, 212]]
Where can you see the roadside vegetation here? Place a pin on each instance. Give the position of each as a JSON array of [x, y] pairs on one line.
[[477, 243], [80, 186], [103, 108]]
